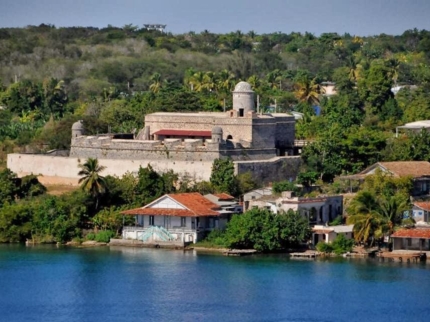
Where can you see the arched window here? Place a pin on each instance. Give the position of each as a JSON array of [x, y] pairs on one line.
[[229, 137]]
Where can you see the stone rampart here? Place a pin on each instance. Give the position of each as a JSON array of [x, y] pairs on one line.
[[272, 170], [275, 169], [104, 147]]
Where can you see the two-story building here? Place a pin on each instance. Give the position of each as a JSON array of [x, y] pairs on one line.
[[319, 210], [181, 218]]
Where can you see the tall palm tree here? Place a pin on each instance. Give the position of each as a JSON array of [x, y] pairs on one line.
[[156, 83], [225, 81], [391, 209], [307, 90], [367, 227], [197, 81], [91, 181]]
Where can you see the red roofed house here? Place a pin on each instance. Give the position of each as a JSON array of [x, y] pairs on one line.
[[411, 239], [182, 217], [419, 171]]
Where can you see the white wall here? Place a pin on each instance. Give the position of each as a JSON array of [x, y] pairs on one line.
[[64, 167]]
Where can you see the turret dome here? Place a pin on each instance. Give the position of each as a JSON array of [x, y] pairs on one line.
[[243, 87]]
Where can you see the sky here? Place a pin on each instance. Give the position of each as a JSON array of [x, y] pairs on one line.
[[357, 17]]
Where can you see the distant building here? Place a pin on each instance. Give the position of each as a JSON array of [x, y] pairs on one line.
[[155, 26]]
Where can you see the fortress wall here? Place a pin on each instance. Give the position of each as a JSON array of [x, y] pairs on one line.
[[238, 128], [272, 170], [67, 167], [249, 154], [285, 132]]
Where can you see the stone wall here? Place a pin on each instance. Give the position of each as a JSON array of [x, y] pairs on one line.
[[240, 128], [67, 167], [104, 147], [273, 170]]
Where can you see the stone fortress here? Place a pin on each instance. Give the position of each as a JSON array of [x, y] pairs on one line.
[[187, 143]]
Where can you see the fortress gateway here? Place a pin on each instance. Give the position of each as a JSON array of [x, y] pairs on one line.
[[187, 143]]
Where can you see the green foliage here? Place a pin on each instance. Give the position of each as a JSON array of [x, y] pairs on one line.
[[104, 236], [285, 185], [336, 221], [324, 247], [91, 236], [222, 176], [342, 245], [265, 231], [151, 185], [91, 181]]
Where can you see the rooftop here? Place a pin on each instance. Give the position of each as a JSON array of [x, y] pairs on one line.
[[194, 204], [412, 233]]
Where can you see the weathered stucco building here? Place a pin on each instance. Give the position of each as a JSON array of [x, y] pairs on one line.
[[187, 143]]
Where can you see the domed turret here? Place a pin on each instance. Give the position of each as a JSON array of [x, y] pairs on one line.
[[217, 134], [243, 98], [78, 129]]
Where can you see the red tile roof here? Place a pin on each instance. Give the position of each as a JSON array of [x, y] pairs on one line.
[[184, 133], [408, 168], [223, 196], [424, 205], [196, 205], [412, 233]]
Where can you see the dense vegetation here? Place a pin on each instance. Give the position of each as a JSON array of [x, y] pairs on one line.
[[113, 77]]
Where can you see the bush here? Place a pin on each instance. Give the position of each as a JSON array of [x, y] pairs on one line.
[[339, 246], [91, 236], [342, 245], [324, 247], [104, 236]]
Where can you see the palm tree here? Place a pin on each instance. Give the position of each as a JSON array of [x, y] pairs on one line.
[[197, 81], [91, 181], [391, 209], [364, 214], [225, 81], [156, 83], [307, 90], [367, 227]]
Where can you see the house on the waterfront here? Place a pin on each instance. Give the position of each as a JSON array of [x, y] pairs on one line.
[[181, 218], [318, 210], [228, 204], [417, 239], [419, 171], [421, 211], [327, 234]]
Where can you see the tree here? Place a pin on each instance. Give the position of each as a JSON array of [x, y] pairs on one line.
[[307, 90], [222, 176], [263, 230], [156, 83], [151, 185], [8, 186], [91, 180]]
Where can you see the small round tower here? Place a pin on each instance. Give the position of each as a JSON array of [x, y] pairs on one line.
[[243, 98], [217, 134], [78, 129]]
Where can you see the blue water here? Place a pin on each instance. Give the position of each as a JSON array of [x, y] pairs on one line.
[[129, 284]]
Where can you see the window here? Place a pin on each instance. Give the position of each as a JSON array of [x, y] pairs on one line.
[[183, 221], [151, 220], [241, 112]]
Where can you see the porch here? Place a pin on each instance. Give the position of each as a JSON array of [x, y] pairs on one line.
[[153, 234]]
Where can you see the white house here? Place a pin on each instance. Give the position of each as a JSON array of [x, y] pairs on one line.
[[174, 218], [319, 210], [328, 234]]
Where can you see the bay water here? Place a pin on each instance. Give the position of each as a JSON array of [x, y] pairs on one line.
[[49, 283]]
